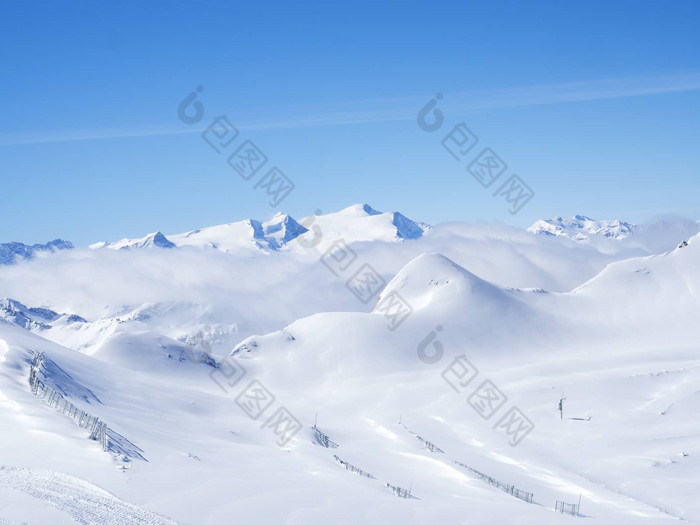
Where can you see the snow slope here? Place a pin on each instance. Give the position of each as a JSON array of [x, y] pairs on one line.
[[361, 377], [617, 339], [83, 502]]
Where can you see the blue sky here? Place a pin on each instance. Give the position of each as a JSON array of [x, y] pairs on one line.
[[595, 105]]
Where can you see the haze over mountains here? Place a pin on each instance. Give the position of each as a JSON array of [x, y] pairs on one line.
[[167, 332], [192, 288]]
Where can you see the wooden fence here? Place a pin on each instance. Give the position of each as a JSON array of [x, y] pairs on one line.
[[97, 428]]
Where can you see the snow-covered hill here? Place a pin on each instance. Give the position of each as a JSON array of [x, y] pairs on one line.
[[381, 395], [212, 361]]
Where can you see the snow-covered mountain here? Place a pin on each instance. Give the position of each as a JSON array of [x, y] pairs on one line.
[[359, 222], [10, 252], [244, 236], [278, 231], [152, 240], [164, 346], [34, 319], [581, 228]]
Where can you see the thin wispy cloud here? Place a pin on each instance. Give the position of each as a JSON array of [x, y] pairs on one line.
[[405, 108], [581, 91]]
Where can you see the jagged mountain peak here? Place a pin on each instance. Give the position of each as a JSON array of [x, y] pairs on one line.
[[281, 229], [406, 228]]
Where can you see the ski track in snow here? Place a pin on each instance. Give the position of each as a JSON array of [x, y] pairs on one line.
[[82, 501]]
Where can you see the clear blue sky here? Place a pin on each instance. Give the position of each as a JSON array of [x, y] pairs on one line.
[[594, 104]]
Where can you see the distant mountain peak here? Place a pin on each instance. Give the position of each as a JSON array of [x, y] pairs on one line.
[[10, 251], [281, 229], [369, 210], [582, 228], [360, 209], [152, 240], [159, 240], [36, 319], [362, 219], [406, 228], [359, 222]]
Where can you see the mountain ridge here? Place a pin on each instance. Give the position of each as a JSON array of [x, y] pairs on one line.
[[11, 251]]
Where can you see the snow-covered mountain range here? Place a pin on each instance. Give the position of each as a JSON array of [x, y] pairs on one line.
[[580, 228], [355, 223], [10, 252], [387, 336]]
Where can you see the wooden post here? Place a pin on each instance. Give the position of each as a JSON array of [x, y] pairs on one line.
[[578, 509], [561, 406]]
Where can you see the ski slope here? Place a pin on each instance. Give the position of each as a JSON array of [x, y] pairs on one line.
[[81, 501]]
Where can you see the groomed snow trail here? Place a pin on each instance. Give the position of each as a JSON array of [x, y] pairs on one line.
[[82, 501]]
